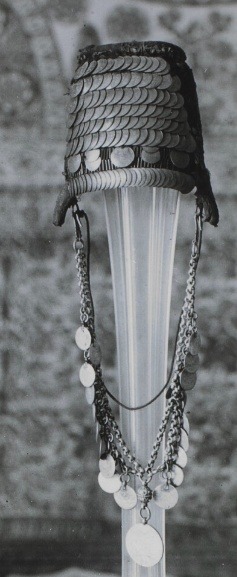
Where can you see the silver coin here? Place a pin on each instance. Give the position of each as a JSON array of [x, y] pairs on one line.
[[90, 394], [182, 459], [74, 163], [180, 100], [188, 380], [150, 80], [163, 65], [95, 354], [107, 465], [163, 100], [76, 88], [166, 139], [122, 156], [144, 545], [103, 65], [191, 363], [173, 100], [185, 424], [136, 62], [92, 166], [92, 155], [166, 82], [81, 70], [83, 338], [184, 442], [91, 83], [179, 159], [176, 84], [165, 496], [126, 498], [177, 475], [173, 141], [87, 375], [149, 156], [173, 113], [111, 484], [171, 126], [118, 63], [195, 343], [134, 175]]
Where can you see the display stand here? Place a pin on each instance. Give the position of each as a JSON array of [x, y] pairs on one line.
[[142, 224]]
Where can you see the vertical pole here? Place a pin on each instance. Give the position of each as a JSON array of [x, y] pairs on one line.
[[142, 224]]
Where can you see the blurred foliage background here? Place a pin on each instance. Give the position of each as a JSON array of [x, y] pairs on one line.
[[48, 455]]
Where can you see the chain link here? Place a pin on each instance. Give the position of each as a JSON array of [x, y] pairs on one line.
[[109, 429]]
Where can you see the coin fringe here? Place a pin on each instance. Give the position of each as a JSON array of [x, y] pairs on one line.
[[122, 177]]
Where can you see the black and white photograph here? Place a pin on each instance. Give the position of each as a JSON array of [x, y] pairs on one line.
[[118, 284]]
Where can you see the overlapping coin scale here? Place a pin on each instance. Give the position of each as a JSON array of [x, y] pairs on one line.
[[121, 105]]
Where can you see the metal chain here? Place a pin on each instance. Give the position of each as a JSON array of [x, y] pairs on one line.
[[109, 429]]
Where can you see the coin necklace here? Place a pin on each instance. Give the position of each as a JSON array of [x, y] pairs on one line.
[[117, 464]]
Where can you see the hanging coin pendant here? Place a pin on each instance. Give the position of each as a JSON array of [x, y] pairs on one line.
[[90, 395], [83, 338], [107, 465], [87, 375], [184, 442], [109, 485], [191, 363], [122, 156], [165, 496], [188, 380], [181, 458], [177, 476], [144, 545], [95, 354], [126, 498], [185, 424], [195, 343]]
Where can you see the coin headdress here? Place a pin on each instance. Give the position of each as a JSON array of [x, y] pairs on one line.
[[134, 122]]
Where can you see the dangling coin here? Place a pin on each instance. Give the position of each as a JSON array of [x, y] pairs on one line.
[[111, 484], [188, 380], [87, 375], [122, 156], [195, 343], [92, 166], [83, 338], [186, 424], [144, 545], [177, 476], [182, 459], [107, 465], [191, 363], [92, 155], [74, 163], [90, 395], [150, 155], [179, 159], [95, 354], [184, 442], [126, 498], [165, 496]]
